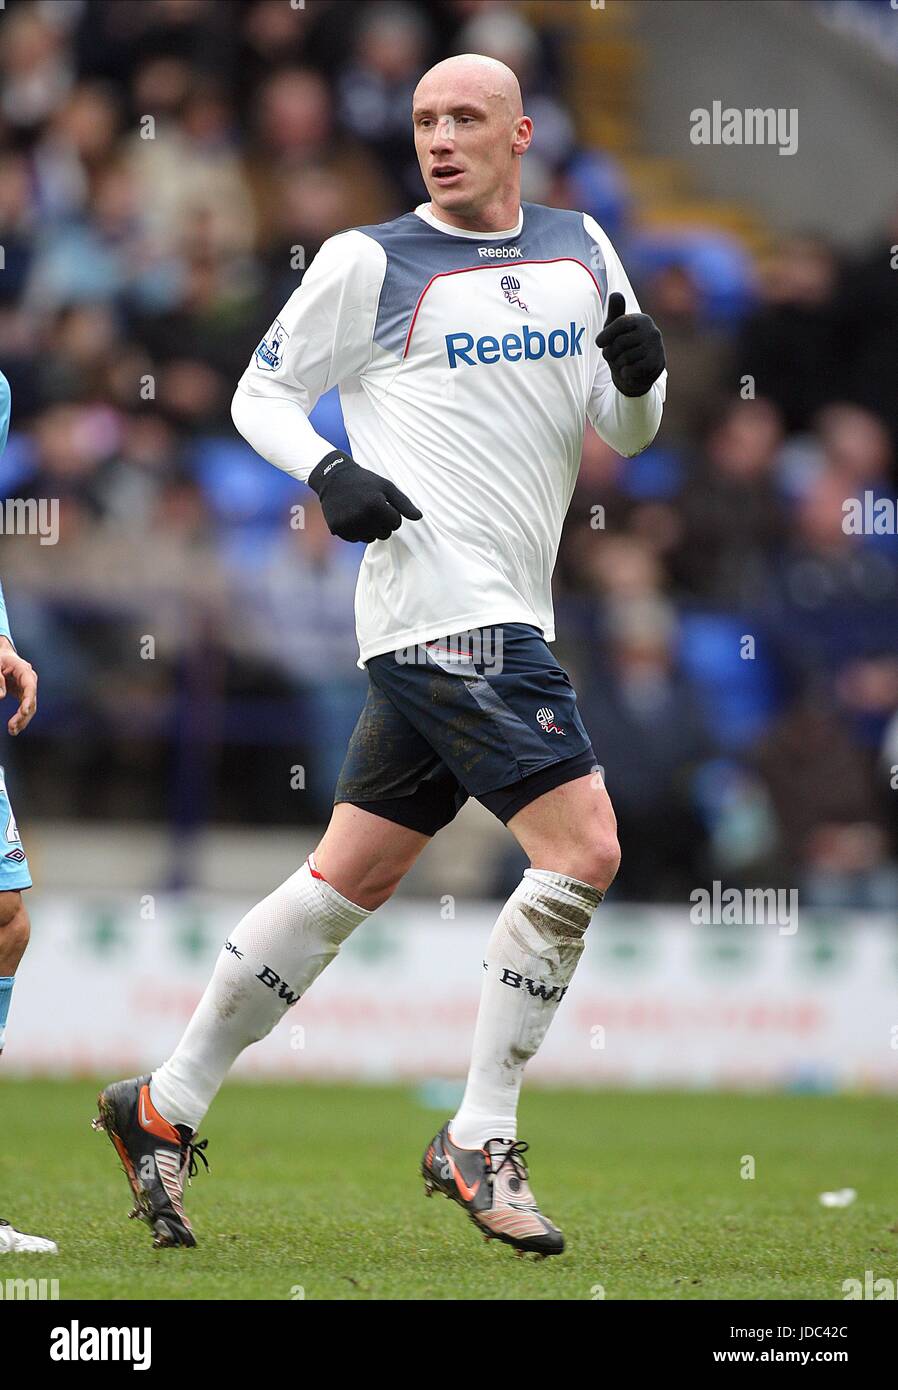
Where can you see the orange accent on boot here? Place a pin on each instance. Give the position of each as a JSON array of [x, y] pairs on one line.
[[150, 1119], [467, 1193], [126, 1163]]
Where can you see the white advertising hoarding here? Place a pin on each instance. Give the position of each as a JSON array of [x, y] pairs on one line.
[[107, 986]]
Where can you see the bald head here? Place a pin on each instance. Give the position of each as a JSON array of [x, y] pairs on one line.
[[474, 74], [470, 133]]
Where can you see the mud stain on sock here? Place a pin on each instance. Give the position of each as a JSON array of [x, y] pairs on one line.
[[557, 945]]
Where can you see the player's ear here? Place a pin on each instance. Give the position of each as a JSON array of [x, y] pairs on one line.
[[523, 134]]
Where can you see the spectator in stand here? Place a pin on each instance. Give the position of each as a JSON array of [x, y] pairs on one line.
[[294, 614], [191, 168], [599, 509], [273, 35], [869, 310], [856, 445], [834, 600], [793, 345], [199, 347], [651, 740], [697, 355], [831, 831], [505, 34], [36, 67], [375, 89], [80, 141], [732, 515], [294, 131], [316, 202]]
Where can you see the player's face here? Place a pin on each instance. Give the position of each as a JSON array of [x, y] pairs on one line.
[[468, 146]]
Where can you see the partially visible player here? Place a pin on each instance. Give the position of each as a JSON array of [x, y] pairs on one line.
[[19, 679]]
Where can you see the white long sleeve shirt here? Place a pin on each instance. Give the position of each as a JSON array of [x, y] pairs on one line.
[[467, 368]]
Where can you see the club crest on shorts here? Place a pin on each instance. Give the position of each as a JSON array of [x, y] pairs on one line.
[[545, 718], [269, 353]]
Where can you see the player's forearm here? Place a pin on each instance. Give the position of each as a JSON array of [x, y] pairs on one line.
[[4, 622], [279, 430], [629, 423]]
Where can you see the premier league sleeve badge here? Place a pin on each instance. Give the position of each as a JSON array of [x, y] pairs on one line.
[[269, 353]]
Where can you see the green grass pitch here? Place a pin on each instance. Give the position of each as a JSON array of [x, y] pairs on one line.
[[316, 1188]]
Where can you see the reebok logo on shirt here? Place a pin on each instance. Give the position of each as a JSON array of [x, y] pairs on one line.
[[527, 346], [500, 253]]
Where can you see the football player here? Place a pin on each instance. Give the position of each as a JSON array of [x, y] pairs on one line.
[[471, 340]]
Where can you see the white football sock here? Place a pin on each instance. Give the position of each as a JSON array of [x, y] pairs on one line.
[[530, 960], [274, 954]]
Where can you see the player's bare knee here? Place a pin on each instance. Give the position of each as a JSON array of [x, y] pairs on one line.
[[378, 884], [606, 861], [15, 927], [597, 860]]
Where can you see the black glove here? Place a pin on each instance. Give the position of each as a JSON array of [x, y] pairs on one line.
[[633, 348], [358, 505]]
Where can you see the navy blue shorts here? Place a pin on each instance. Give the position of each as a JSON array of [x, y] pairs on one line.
[[488, 714]]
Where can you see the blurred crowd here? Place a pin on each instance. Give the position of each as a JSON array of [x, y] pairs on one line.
[[167, 169]]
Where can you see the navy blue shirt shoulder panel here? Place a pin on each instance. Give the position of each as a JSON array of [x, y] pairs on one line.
[[416, 252]]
